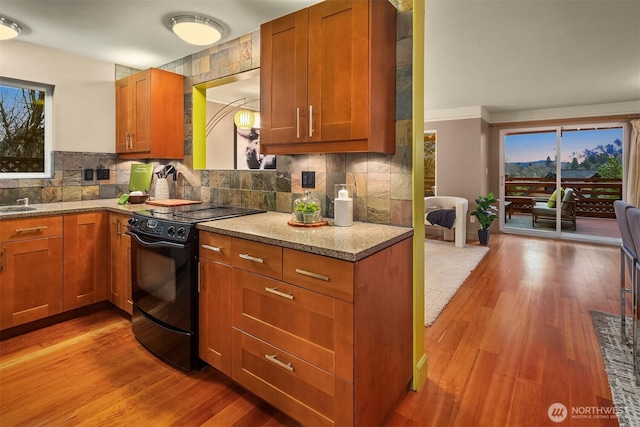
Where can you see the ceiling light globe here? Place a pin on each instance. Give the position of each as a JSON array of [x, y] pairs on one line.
[[196, 30], [8, 29]]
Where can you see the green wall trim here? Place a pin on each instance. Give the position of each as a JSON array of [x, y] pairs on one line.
[[417, 178], [199, 118]]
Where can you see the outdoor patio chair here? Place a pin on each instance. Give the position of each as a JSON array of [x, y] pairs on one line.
[[633, 214], [628, 255], [542, 209]]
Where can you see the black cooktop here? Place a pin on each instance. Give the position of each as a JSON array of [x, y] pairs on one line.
[[197, 213], [178, 223]]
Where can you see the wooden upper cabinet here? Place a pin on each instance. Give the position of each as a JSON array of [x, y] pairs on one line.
[[328, 79], [150, 115], [283, 79]]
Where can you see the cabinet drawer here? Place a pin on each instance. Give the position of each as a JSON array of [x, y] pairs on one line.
[[30, 228], [215, 247], [319, 273], [308, 394], [314, 327], [259, 258]]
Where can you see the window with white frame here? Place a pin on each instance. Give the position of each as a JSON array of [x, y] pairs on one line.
[[25, 129]]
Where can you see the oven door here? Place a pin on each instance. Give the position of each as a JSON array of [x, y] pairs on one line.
[[164, 281]]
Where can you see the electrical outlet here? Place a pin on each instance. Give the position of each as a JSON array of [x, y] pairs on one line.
[[88, 174], [102, 173], [308, 179], [472, 218]]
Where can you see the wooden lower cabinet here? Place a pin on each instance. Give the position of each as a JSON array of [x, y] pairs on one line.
[[31, 261], [119, 263], [215, 301], [305, 392], [85, 259], [327, 341]]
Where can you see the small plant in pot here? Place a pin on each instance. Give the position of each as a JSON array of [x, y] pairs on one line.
[[310, 213], [299, 211], [486, 213]]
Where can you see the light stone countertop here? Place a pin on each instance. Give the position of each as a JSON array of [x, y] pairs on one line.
[[347, 243], [61, 208]]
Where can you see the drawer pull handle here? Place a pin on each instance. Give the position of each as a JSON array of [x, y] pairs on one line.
[[212, 248], [26, 230], [314, 275], [273, 358], [251, 258], [275, 291]]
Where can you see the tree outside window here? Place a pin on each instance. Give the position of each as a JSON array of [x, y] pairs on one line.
[[24, 151]]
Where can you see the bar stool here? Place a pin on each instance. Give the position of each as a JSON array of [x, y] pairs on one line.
[[628, 254], [633, 214]]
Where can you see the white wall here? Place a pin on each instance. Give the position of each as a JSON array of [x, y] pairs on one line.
[[462, 161], [221, 140], [83, 97]]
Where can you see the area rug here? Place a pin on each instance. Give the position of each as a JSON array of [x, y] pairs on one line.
[[445, 269], [619, 366]]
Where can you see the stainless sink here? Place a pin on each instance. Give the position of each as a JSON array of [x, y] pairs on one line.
[[16, 208]]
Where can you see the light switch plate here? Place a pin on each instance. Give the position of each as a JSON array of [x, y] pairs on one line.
[[308, 179]]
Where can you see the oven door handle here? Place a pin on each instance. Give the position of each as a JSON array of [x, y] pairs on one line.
[[155, 244]]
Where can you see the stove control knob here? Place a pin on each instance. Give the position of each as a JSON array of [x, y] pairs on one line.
[[171, 231], [133, 221], [181, 232]]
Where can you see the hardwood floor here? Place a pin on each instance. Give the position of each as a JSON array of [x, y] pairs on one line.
[[516, 338]]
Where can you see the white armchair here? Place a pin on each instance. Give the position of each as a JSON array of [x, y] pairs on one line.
[[461, 205]]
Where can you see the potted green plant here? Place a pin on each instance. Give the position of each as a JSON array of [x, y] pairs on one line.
[[298, 211], [310, 212], [485, 213]]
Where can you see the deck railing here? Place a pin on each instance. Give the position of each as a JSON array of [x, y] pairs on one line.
[[594, 196]]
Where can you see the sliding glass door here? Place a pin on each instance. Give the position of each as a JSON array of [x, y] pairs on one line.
[[562, 181]]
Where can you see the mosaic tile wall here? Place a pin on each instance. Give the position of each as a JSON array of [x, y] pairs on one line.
[[381, 183]]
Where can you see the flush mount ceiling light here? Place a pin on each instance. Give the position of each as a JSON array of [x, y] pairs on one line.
[[8, 29], [196, 30]]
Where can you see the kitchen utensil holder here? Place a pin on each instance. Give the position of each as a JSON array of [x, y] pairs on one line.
[[162, 189]]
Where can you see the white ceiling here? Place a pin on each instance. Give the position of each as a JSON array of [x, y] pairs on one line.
[[503, 55]]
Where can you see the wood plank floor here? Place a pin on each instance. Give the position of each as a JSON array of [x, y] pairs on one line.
[[516, 338]]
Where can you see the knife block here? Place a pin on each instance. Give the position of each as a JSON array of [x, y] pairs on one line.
[[162, 189]]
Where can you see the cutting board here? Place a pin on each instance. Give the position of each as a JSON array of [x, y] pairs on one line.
[[172, 202]]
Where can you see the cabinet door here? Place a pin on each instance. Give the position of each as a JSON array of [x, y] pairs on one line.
[[119, 263], [123, 114], [141, 109], [31, 277], [338, 70], [215, 315], [283, 79], [150, 115], [85, 259]]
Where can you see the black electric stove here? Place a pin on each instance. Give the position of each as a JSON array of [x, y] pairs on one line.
[[164, 278], [177, 223]]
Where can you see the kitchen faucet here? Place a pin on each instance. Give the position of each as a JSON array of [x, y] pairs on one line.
[[25, 201]]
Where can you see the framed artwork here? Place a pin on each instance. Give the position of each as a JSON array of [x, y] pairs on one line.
[[247, 150], [429, 162]]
